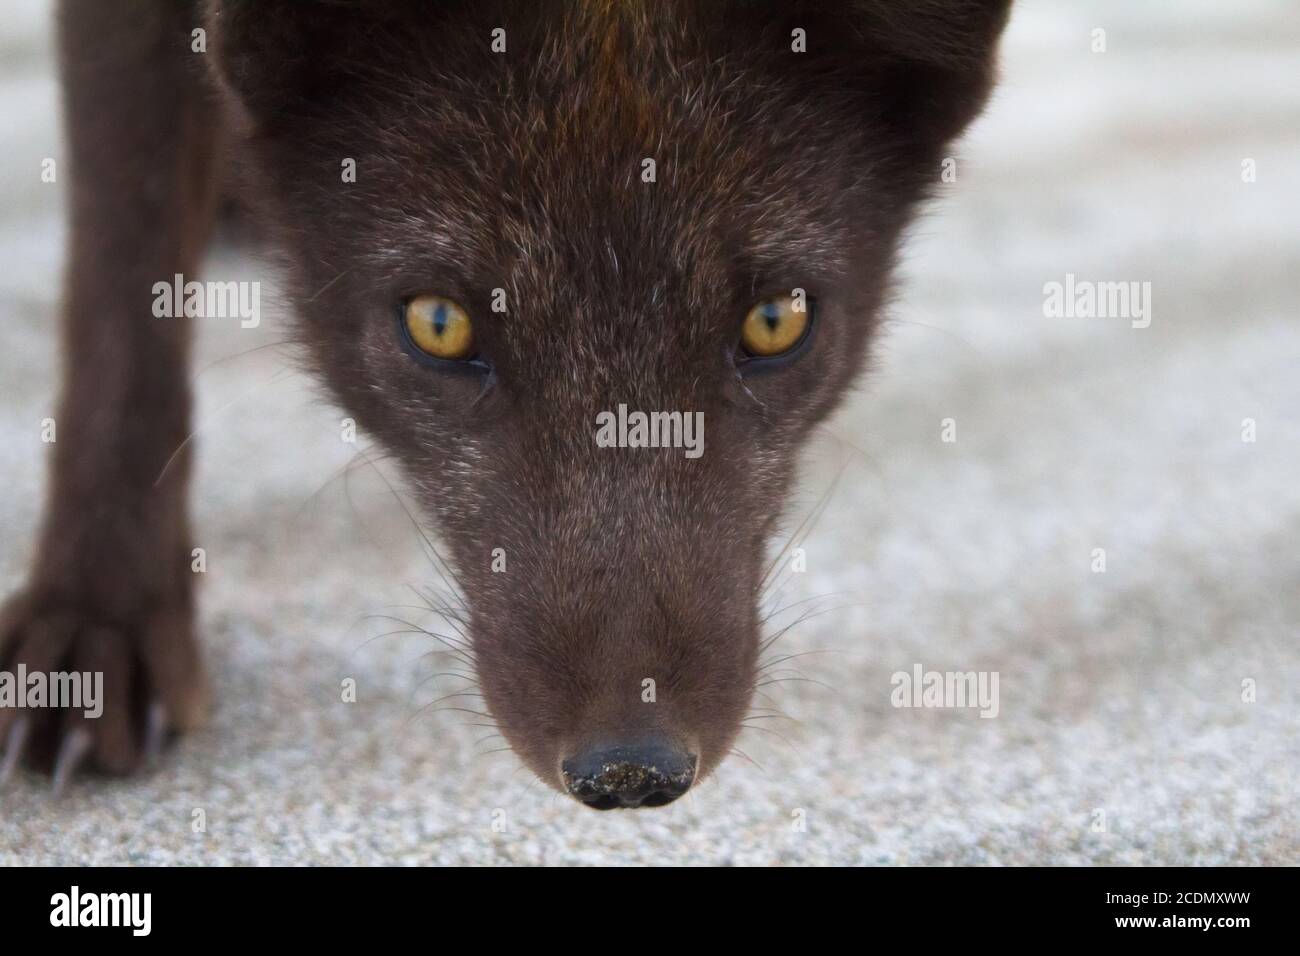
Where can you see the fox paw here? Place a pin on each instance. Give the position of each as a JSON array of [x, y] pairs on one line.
[[138, 682]]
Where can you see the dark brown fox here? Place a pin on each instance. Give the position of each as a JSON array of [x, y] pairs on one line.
[[500, 223]]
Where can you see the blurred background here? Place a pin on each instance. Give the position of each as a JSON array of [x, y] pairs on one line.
[[1124, 733]]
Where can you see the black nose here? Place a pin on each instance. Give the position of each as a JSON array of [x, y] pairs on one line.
[[643, 775]]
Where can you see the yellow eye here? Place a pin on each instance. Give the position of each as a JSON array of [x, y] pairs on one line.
[[439, 327], [775, 326]]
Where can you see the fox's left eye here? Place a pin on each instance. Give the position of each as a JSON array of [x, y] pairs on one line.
[[439, 327], [775, 326]]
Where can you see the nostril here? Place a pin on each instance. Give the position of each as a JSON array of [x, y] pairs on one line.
[[645, 775], [661, 797], [603, 801]]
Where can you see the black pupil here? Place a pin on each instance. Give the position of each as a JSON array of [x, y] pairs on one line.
[[440, 320], [771, 315]]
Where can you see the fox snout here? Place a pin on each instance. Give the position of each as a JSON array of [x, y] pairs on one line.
[[613, 604], [619, 675]]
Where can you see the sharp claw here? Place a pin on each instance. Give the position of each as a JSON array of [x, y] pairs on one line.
[[72, 752], [14, 748], [155, 732]]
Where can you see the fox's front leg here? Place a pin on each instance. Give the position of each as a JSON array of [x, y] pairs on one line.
[[110, 590]]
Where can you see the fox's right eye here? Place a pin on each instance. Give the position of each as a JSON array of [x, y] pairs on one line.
[[438, 327]]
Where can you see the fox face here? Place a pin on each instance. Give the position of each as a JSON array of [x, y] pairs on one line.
[[504, 223]]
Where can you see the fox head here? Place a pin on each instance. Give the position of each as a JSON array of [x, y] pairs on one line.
[[501, 222]]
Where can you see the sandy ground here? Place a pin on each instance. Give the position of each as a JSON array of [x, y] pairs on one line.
[[1121, 693]]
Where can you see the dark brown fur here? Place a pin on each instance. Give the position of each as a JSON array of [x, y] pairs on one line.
[[478, 171]]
